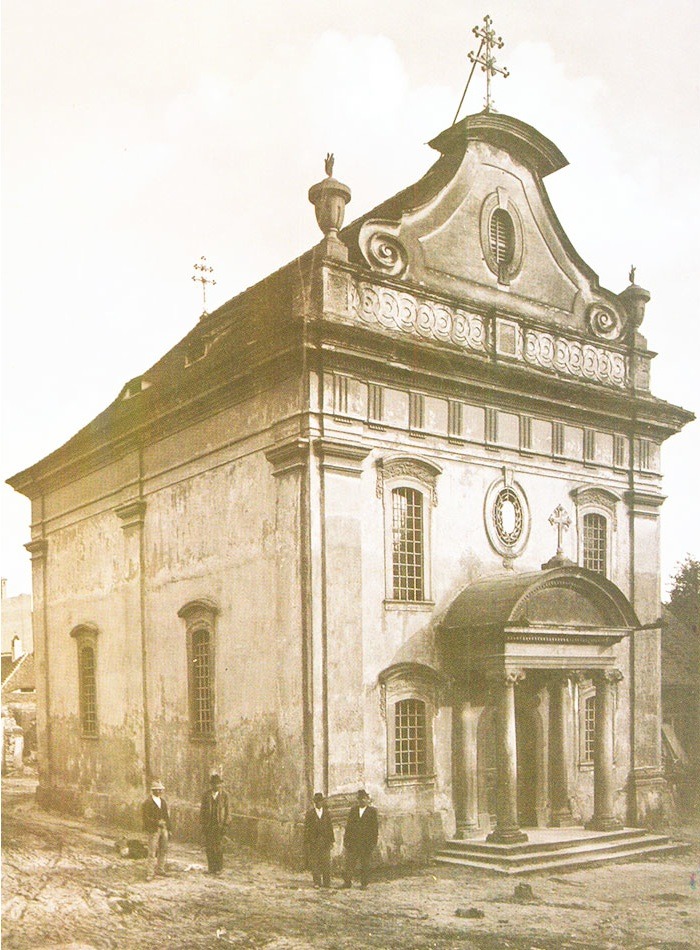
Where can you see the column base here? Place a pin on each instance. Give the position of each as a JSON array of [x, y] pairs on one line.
[[516, 836], [603, 824], [562, 818], [466, 829]]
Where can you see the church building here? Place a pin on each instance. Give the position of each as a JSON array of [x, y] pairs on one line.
[[387, 519]]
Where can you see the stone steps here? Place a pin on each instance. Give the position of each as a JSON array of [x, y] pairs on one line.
[[558, 854]]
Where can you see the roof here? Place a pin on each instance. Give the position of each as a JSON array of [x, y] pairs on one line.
[[18, 674], [511, 598]]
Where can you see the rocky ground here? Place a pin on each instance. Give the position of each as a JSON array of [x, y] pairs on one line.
[[64, 885]]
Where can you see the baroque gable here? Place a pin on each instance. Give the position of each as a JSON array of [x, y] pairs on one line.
[[448, 235]]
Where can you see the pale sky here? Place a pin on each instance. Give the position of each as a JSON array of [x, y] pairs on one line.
[[140, 134]]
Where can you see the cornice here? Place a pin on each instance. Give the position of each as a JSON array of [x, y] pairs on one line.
[[37, 548]]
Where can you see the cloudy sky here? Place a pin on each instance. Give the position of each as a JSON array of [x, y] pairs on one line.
[[141, 134]]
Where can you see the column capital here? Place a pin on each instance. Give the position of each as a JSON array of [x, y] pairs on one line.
[[288, 457], [37, 548], [505, 677], [606, 676], [132, 513]]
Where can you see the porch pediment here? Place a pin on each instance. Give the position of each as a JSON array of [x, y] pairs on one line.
[[545, 618]]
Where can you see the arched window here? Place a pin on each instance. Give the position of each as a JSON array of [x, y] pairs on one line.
[[596, 524], [408, 544], [409, 698], [200, 624], [410, 738], [86, 642], [595, 543], [202, 686]]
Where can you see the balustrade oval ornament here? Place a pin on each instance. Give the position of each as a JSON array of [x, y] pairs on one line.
[[386, 253], [604, 322]]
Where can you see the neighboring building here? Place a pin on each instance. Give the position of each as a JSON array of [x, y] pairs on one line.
[[16, 622], [18, 685], [311, 546]]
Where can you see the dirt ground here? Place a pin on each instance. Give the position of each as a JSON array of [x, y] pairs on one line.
[[65, 886]]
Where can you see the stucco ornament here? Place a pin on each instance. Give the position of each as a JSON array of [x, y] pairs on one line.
[[382, 249], [604, 322], [507, 517]]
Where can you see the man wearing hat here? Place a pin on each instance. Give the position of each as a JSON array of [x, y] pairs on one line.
[[156, 824], [214, 817], [318, 841], [361, 833]]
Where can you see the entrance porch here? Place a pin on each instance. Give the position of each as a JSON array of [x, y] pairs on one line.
[[525, 652]]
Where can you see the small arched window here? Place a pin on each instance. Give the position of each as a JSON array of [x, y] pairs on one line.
[[86, 642], [409, 699], [595, 542], [200, 620], [410, 738], [408, 544]]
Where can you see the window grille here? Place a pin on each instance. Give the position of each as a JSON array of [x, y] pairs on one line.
[[588, 749], [407, 544], [88, 690], [508, 516], [410, 745], [202, 691], [595, 543], [502, 241]]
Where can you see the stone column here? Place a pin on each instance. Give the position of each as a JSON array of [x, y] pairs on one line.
[[467, 806], [560, 715], [603, 776], [507, 829]]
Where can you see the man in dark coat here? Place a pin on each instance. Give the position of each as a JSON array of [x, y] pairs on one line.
[[361, 833], [214, 817], [318, 841], [156, 824]]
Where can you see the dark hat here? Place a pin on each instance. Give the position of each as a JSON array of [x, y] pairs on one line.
[[215, 779], [157, 785], [319, 797], [363, 794]]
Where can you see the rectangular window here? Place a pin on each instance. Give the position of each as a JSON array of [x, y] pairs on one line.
[[410, 746], [643, 455], [558, 439], [595, 543], [416, 412], [455, 419], [588, 745], [619, 451], [88, 691], [340, 395], [375, 403], [202, 692], [407, 544], [525, 433], [491, 426]]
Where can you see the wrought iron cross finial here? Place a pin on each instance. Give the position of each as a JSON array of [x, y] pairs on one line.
[[328, 164], [633, 271], [202, 270], [560, 520], [487, 61]]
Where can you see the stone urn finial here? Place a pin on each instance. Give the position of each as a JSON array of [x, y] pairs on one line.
[[634, 299], [329, 198]]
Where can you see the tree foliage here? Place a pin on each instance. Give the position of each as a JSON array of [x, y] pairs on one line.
[[684, 597]]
